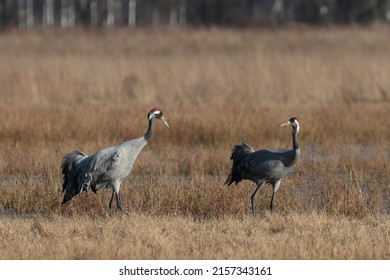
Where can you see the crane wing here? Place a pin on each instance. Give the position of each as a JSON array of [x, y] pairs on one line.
[[93, 169], [257, 166], [81, 172], [266, 165]]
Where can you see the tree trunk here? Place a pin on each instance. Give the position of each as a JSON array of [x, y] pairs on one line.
[[182, 12], [110, 13], [29, 13], [388, 10], [48, 13], [21, 13], [94, 12], [71, 14], [132, 13], [68, 16], [277, 14]]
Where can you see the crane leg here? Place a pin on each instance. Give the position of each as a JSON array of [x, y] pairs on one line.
[[253, 198], [275, 188], [271, 205], [118, 204], [110, 204]]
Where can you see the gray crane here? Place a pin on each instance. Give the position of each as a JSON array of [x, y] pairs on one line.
[[105, 168], [264, 166]]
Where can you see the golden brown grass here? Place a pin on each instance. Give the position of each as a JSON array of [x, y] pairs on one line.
[[292, 236], [88, 89]]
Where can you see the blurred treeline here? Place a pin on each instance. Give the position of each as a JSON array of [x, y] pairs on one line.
[[69, 13]]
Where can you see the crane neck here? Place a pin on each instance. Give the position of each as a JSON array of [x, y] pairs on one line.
[[149, 132], [295, 138]]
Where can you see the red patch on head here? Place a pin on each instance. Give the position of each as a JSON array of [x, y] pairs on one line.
[[154, 110]]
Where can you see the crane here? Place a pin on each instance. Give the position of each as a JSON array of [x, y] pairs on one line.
[[105, 168], [264, 166]]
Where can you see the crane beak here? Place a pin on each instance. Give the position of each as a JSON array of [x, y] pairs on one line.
[[284, 124], [164, 121]]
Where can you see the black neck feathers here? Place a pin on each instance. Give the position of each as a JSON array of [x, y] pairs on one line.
[[295, 138], [149, 132]]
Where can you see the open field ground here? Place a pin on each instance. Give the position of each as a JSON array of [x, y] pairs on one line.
[[90, 89]]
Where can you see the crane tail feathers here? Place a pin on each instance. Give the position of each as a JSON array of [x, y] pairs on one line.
[[239, 151], [72, 184], [229, 180]]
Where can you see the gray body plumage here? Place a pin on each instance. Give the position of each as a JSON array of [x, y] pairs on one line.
[[105, 168], [264, 166]]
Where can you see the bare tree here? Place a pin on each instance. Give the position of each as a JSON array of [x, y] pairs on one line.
[[93, 10], [277, 11], [29, 13], [182, 12], [48, 13], [25, 13], [22, 13], [132, 13], [173, 13], [110, 13], [68, 16], [118, 12]]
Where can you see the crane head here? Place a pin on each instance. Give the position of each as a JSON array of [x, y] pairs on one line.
[[293, 122], [157, 113]]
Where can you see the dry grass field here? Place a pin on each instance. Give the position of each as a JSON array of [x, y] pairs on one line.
[[89, 89]]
